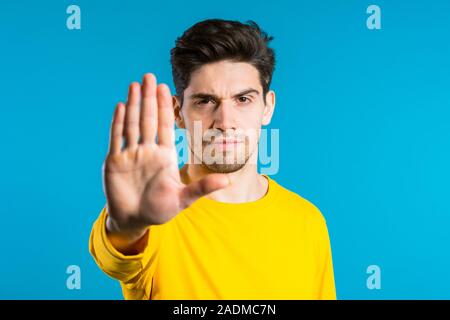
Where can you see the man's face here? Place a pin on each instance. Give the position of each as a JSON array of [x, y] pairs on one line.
[[223, 111]]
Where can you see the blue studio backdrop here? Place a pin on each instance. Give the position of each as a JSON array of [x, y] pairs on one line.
[[363, 116]]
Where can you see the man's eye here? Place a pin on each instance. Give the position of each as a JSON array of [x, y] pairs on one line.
[[205, 101], [244, 99]]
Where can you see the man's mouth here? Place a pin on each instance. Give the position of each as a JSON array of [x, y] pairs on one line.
[[226, 141], [226, 144]]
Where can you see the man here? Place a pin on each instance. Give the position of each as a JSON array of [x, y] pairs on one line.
[[216, 229]]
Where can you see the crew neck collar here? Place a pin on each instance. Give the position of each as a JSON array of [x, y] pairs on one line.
[[262, 202]]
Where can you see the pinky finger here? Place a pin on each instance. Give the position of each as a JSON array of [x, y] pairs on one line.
[[116, 135]]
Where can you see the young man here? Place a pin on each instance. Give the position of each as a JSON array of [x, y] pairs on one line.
[[216, 229]]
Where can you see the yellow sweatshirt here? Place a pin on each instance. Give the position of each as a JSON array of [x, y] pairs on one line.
[[274, 248]]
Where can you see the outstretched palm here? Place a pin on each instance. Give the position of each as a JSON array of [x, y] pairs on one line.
[[141, 177]]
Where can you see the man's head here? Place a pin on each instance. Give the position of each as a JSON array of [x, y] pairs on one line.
[[222, 72]]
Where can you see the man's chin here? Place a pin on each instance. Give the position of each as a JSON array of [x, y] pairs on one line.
[[224, 168]]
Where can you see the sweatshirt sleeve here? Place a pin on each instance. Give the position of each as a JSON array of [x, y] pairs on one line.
[[327, 290], [135, 272]]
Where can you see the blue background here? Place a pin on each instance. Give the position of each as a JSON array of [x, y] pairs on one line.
[[363, 118]]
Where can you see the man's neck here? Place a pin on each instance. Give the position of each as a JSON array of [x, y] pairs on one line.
[[246, 184]]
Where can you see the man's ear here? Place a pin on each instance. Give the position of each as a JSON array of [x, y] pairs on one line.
[[268, 108], [177, 112]]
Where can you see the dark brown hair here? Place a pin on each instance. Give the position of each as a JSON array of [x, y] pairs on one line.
[[215, 40]]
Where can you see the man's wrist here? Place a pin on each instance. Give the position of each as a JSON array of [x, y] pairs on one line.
[[113, 227], [129, 241]]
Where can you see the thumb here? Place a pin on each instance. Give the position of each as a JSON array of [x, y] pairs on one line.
[[204, 186]]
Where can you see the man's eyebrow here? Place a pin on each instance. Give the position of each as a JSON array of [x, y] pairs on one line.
[[247, 91], [203, 95]]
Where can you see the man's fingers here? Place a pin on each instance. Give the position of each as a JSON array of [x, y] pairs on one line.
[[149, 112], [116, 135], [166, 119], [132, 115], [208, 184]]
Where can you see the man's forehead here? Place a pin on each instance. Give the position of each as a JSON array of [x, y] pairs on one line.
[[224, 78]]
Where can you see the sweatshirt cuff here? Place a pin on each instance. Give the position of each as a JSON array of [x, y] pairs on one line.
[[109, 259]]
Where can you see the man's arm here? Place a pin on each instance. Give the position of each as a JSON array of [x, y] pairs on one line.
[[142, 184]]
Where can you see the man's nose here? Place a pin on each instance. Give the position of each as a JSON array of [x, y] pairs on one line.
[[224, 115]]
